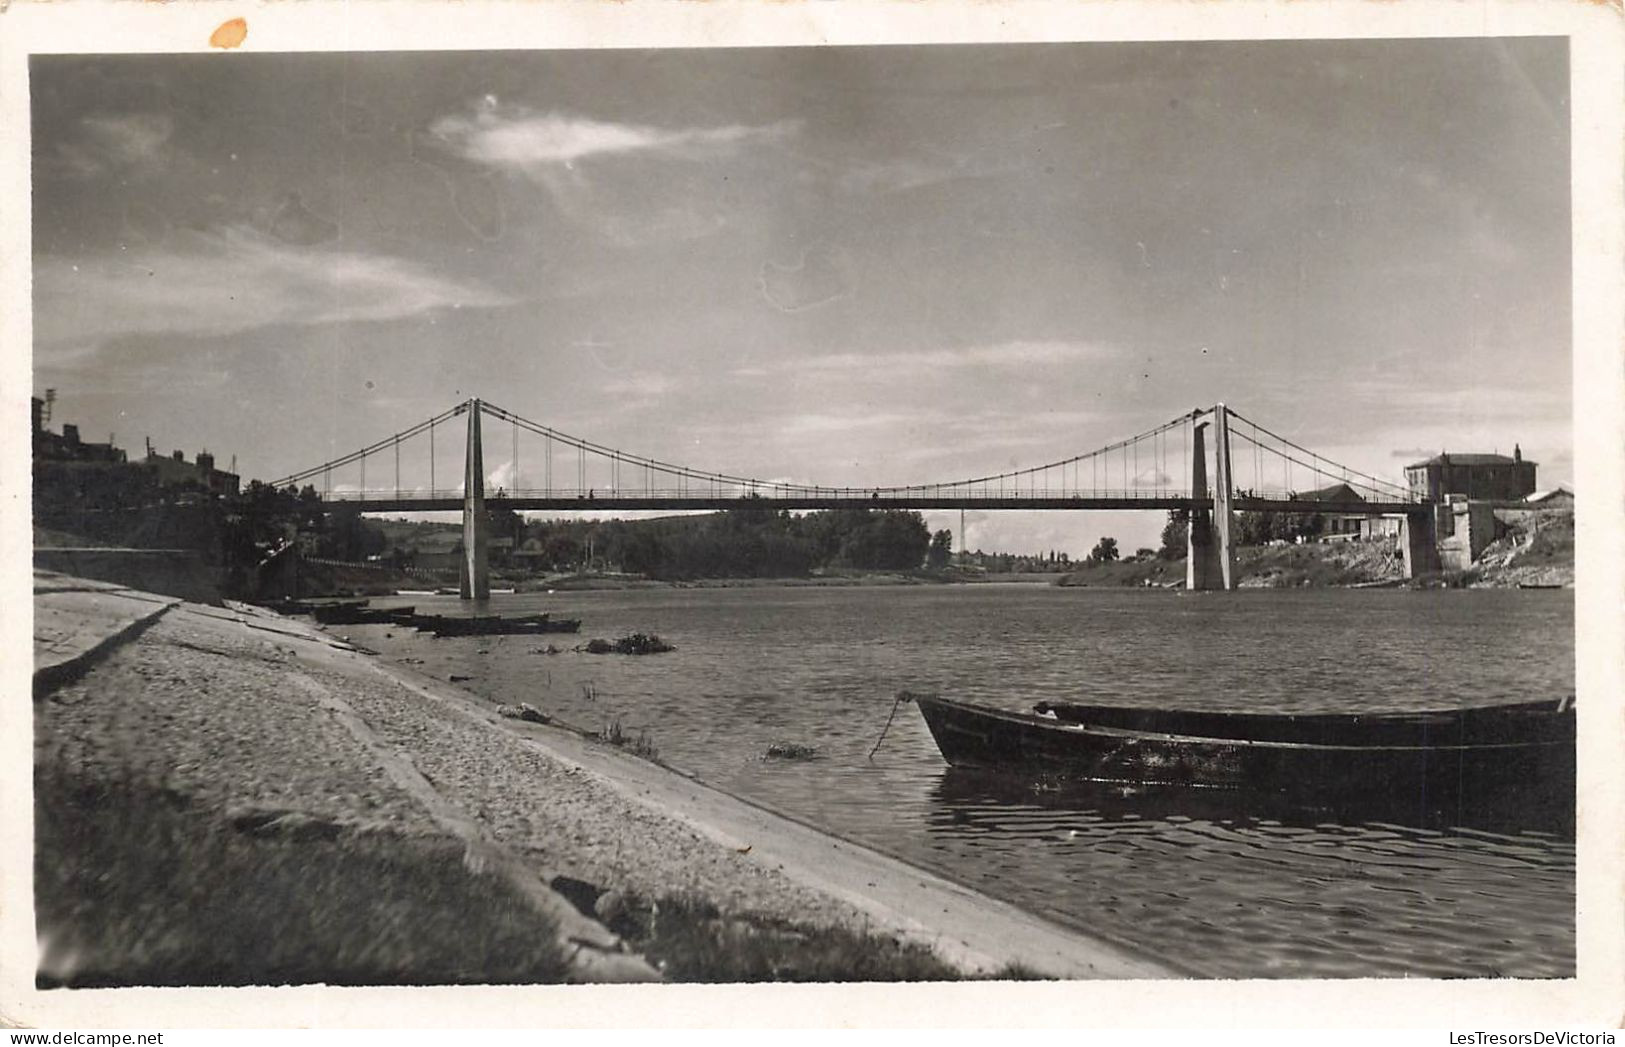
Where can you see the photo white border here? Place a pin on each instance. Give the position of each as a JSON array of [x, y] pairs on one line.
[[1595, 999]]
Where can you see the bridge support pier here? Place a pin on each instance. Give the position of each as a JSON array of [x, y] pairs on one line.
[[1210, 558], [1419, 542], [475, 580]]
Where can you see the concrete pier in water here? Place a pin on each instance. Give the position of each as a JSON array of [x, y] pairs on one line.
[[475, 581], [1210, 561]]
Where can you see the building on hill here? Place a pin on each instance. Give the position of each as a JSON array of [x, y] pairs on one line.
[[1557, 498], [1336, 526], [67, 446], [176, 471], [67, 452], [1478, 477], [71, 476], [1339, 492]]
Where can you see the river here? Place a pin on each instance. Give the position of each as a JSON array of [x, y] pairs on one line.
[[1220, 885]]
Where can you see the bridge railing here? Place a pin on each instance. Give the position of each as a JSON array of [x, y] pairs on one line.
[[857, 495], [765, 494]]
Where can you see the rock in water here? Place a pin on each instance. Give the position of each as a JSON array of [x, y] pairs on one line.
[[791, 751]]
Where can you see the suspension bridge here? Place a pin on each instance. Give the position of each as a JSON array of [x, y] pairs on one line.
[[1162, 468]]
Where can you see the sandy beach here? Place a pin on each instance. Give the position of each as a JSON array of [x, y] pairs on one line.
[[275, 729]]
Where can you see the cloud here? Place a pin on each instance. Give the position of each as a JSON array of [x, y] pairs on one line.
[[901, 175], [234, 280], [999, 356], [895, 176], [822, 423], [108, 144], [820, 276], [566, 156], [294, 223], [520, 139], [638, 390]]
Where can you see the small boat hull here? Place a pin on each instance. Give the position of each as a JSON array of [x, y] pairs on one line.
[[360, 614], [495, 625], [978, 736]]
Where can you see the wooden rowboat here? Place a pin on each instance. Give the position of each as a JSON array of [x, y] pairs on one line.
[[496, 625], [360, 614], [1431, 751]]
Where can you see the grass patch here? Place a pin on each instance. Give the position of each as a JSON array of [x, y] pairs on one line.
[[1016, 971], [638, 745], [136, 886], [1152, 572], [691, 941]]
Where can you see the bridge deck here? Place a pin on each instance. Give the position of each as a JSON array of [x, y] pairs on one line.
[[675, 503]]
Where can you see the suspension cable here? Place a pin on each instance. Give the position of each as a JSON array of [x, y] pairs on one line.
[[294, 478], [1375, 483]]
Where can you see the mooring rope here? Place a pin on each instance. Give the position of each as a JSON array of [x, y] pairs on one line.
[[902, 696]]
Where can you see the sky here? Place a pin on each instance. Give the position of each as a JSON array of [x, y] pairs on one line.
[[847, 266]]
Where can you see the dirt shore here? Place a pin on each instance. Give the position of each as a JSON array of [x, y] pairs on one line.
[[267, 722]]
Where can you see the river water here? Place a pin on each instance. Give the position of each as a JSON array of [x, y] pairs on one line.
[[1219, 884]]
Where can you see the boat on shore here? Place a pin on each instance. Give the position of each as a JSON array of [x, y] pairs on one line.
[[360, 614], [495, 625], [1424, 752], [325, 605]]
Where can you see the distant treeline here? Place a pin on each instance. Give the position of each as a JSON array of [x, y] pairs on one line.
[[743, 543]]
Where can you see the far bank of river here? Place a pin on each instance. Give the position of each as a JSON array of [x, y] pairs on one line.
[[1536, 550]]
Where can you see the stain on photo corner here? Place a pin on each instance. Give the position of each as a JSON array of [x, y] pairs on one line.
[[230, 34]]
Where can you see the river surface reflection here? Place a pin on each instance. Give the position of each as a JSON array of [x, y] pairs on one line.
[[1220, 884]]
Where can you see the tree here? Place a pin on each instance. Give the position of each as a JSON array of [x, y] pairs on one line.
[[891, 540], [1175, 535], [1260, 528], [1105, 551], [942, 549]]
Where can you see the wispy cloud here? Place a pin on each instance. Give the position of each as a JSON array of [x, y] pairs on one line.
[[821, 423], [517, 138], [639, 390], [229, 281], [113, 143], [819, 276], [569, 156], [902, 174], [999, 356]]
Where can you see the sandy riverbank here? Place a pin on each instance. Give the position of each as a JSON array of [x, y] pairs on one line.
[[268, 729]]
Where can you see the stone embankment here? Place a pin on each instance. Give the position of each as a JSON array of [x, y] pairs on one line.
[[272, 728]]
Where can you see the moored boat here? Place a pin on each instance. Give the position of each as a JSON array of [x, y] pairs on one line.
[[496, 625], [361, 614], [1429, 751]]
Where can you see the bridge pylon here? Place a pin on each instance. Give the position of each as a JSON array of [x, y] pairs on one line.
[[1210, 556], [474, 582]]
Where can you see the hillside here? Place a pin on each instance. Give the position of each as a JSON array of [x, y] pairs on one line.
[[1537, 549]]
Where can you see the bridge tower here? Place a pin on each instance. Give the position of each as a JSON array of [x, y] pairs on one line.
[[1210, 561], [475, 580]]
